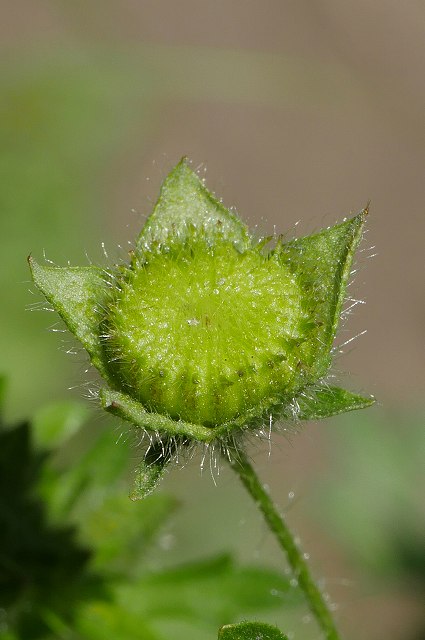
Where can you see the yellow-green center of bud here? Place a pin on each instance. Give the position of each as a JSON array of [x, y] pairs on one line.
[[205, 333]]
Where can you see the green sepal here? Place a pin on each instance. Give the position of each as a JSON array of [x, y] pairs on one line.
[[250, 631], [185, 205], [150, 471], [312, 404], [322, 264], [125, 407], [324, 402], [76, 293]]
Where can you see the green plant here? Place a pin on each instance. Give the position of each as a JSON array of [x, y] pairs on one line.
[[207, 335], [76, 554]]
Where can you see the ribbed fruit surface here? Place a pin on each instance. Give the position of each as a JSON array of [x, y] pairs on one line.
[[205, 333]]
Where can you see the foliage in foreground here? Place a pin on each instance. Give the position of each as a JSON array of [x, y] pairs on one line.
[[112, 544], [74, 551]]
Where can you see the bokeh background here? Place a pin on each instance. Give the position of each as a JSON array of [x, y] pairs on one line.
[[298, 114]]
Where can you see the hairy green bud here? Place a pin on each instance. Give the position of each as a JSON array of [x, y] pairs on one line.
[[205, 332]]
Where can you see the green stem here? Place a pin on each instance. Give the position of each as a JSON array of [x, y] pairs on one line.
[[242, 467]]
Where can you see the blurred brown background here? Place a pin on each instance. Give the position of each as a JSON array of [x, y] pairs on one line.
[[300, 111]]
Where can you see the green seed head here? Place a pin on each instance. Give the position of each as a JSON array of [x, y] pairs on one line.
[[203, 333]]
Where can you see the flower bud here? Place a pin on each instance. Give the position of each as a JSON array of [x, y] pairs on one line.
[[206, 331]]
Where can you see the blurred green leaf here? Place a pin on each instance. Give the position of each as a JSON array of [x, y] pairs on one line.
[[120, 531], [73, 565], [42, 566], [87, 476], [55, 423], [374, 497], [216, 590], [101, 620], [250, 631], [200, 597]]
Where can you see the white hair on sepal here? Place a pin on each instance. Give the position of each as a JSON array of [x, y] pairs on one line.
[[339, 347], [89, 260], [123, 435], [89, 391], [286, 429], [40, 305], [67, 343], [205, 452], [252, 438], [175, 450], [46, 259], [109, 277], [350, 302], [57, 327], [200, 167], [124, 432], [264, 433]]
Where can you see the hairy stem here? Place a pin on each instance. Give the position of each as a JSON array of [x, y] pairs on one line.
[[242, 467]]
